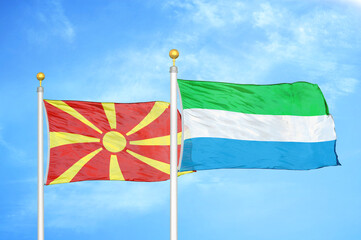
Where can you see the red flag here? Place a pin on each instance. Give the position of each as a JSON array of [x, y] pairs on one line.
[[109, 141]]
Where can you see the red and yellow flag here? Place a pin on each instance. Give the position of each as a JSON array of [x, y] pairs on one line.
[[109, 141]]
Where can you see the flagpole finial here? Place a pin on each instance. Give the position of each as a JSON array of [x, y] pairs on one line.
[[173, 54], [40, 76]]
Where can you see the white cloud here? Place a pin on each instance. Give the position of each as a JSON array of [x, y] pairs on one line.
[[211, 13], [220, 185], [135, 75], [348, 85], [53, 22], [310, 41], [352, 2], [85, 204], [313, 44], [267, 16], [338, 87], [13, 151]]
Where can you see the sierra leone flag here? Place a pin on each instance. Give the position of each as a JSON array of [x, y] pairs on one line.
[[281, 126]]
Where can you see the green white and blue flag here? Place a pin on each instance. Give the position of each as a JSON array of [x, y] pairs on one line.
[[280, 126]]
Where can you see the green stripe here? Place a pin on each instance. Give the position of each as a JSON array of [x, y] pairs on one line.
[[298, 99]]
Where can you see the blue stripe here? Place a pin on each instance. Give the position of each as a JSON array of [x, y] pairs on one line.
[[214, 153]]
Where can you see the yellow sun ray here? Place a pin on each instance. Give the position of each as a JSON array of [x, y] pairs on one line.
[[157, 110], [109, 109], [158, 141], [71, 111], [63, 138], [182, 173], [114, 170], [70, 173], [161, 166]]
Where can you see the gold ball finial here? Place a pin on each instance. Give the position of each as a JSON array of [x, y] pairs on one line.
[[173, 54], [40, 76]]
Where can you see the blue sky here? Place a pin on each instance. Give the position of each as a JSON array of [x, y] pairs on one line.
[[118, 51]]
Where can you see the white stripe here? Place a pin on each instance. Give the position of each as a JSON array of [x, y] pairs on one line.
[[255, 127]]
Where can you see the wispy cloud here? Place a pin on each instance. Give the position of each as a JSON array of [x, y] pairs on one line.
[[339, 87], [84, 205], [136, 75], [312, 42], [13, 151], [356, 3], [52, 21], [81, 205], [209, 13], [267, 16], [234, 42]]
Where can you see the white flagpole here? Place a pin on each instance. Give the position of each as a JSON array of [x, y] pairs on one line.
[[173, 148], [40, 76]]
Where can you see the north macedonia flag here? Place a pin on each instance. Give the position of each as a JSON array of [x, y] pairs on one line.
[[109, 141]]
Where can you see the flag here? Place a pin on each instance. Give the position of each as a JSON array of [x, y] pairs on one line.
[[281, 126], [108, 141]]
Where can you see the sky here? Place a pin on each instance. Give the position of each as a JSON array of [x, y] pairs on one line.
[[118, 51]]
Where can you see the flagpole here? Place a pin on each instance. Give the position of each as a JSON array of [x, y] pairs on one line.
[[173, 148], [40, 76]]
